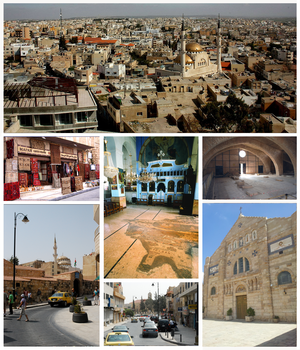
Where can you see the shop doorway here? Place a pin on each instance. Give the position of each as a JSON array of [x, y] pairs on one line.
[[242, 168], [77, 286], [241, 306], [219, 170]]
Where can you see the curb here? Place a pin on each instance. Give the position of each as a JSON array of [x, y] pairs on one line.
[[74, 193], [175, 342]]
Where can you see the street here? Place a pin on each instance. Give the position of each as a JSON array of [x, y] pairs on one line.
[[135, 330], [39, 331], [92, 195]]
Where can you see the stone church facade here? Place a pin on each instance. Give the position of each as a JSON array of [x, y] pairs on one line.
[[255, 266]]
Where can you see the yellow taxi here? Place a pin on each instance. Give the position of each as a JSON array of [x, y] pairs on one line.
[[60, 298], [118, 338]]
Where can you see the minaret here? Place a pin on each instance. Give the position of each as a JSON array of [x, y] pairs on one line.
[[60, 18], [182, 48], [55, 257], [219, 44]]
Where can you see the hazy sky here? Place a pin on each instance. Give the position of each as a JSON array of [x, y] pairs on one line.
[[73, 226], [218, 219], [40, 11], [141, 288]]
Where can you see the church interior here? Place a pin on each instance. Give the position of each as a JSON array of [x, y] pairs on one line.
[[249, 168], [151, 207]]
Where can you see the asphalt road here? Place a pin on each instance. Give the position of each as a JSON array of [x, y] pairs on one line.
[[93, 195], [135, 330], [39, 331]]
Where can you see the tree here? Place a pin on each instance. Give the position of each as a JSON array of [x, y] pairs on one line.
[[142, 306], [12, 260], [161, 301], [129, 312], [133, 305], [149, 304]]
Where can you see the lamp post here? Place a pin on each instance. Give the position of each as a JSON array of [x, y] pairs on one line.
[[157, 298], [25, 220]]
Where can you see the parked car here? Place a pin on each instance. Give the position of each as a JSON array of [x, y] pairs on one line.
[[118, 338], [120, 328], [163, 325], [150, 330], [146, 319], [134, 319], [60, 298]]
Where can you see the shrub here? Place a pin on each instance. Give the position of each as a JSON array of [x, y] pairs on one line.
[[229, 312], [250, 312]]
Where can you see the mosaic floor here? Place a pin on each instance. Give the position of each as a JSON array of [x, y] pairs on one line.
[[150, 242]]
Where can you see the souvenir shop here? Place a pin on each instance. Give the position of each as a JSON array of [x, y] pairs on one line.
[[40, 163]]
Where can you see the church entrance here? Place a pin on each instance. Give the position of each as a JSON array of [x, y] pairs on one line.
[[161, 187], [241, 306]]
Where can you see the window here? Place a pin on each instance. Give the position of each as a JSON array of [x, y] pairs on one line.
[[139, 113], [284, 278], [247, 266], [213, 291], [229, 248], [46, 119], [65, 118], [235, 269], [247, 239], [235, 245], [241, 242], [254, 235], [241, 265], [82, 116]]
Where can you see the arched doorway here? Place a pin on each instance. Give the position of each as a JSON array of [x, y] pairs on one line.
[[161, 187]]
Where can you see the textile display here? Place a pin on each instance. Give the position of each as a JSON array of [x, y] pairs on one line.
[[37, 144], [10, 149], [11, 177], [80, 157], [30, 180], [11, 191], [78, 183], [36, 182], [34, 165], [23, 179], [66, 185], [55, 154], [11, 165], [73, 184], [92, 175], [86, 171], [97, 174], [24, 164]]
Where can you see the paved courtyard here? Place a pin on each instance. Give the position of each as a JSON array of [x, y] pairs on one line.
[[240, 333]]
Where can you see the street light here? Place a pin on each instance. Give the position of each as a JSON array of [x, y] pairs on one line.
[[25, 220], [157, 297]]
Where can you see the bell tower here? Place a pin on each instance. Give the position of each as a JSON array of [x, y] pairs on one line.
[[55, 257], [183, 43], [219, 45]]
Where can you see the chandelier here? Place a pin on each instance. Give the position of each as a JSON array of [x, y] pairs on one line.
[[131, 176], [109, 170], [146, 177]]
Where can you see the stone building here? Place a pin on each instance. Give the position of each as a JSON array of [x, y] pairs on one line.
[[255, 266]]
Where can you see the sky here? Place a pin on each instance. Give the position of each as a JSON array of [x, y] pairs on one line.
[[39, 11], [73, 226], [141, 288], [218, 219]]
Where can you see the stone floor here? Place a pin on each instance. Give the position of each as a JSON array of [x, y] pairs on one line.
[[240, 333], [150, 242], [253, 187]]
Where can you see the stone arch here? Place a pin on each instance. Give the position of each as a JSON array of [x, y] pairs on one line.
[[287, 270], [241, 288], [271, 147]]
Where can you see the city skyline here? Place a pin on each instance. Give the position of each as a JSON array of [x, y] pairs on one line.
[[51, 11]]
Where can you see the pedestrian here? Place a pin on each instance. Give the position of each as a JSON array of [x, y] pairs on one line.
[[74, 295], [96, 296], [23, 308], [5, 298], [39, 296], [10, 302], [25, 294]]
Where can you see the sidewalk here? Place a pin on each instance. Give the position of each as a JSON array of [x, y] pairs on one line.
[[111, 325], [89, 332], [185, 336], [50, 194], [248, 334]]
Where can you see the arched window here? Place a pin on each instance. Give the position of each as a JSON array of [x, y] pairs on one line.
[[235, 269], [235, 245], [254, 235], [213, 291], [241, 265], [229, 248], [284, 278], [247, 266]]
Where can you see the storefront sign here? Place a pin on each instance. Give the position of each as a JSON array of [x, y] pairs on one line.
[[192, 306], [33, 151], [180, 309], [69, 156], [37, 144]]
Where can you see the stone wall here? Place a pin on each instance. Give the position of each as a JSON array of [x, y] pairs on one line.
[[247, 263]]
